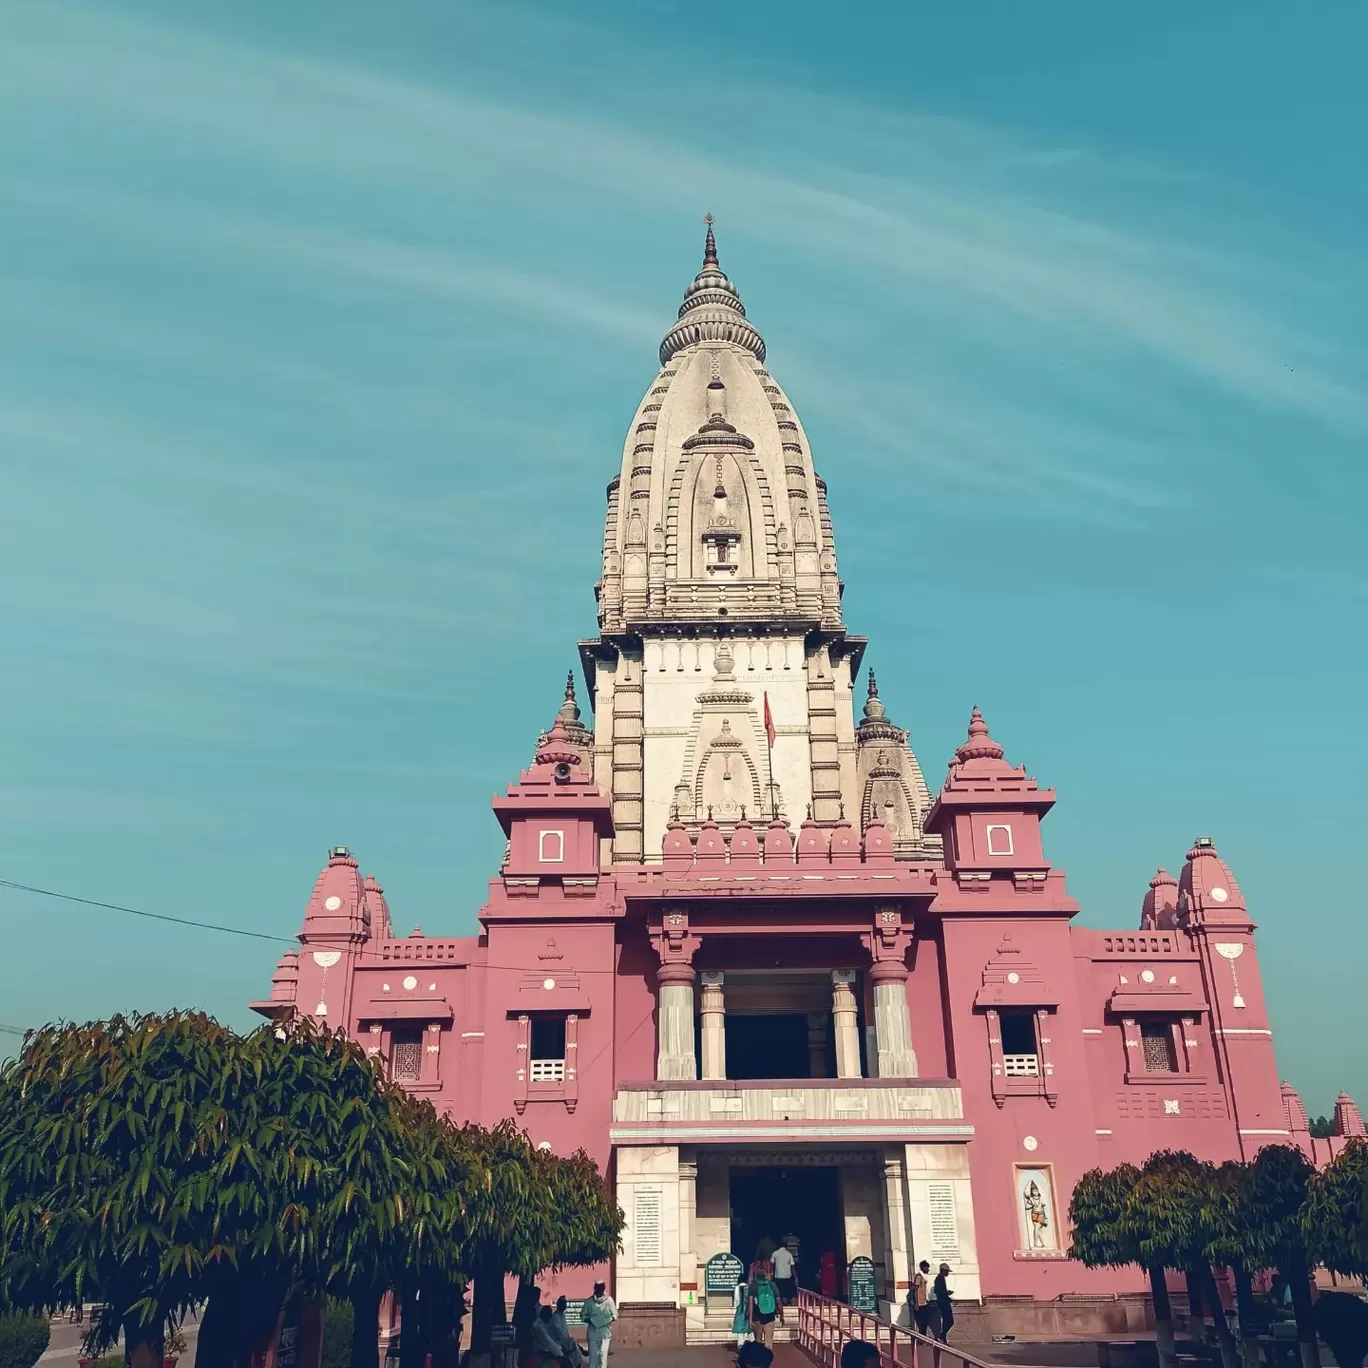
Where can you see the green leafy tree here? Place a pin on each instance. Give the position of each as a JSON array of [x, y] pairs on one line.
[[1105, 1237], [1232, 1243], [107, 1131], [1170, 1210], [1322, 1127], [154, 1161], [1342, 1322], [1335, 1216], [1279, 1181]]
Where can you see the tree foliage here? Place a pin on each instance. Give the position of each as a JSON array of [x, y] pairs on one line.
[[154, 1162], [1335, 1217]]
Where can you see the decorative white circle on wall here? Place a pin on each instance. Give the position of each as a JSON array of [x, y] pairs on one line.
[[548, 984], [325, 959], [410, 983], [1030, 1144], [1014, 977], [333, 903], [544, 1145], [1147, 976], [1219, 895]]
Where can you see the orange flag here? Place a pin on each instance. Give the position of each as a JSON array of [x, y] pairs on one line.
[[769, 724]]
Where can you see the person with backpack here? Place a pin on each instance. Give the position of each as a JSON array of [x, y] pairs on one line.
[[765, 1307]]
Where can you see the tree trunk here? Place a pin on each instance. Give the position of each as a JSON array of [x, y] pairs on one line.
[[412, 1341], [365, 1347], [1299, 1280], [1230, 1354], [526, 1304], [143, 1342], [1193, 1282], [242, 1311], [1163, 1319], [1244, 1307], [487, 1309]]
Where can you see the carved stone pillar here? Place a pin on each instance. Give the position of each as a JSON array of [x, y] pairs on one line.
[[713, 1007], [845, 1020], [888, 944], [817, 1044], [892, 1022], [675, 1056], [675, 944]]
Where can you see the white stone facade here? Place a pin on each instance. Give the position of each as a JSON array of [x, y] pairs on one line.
[[720, 589]]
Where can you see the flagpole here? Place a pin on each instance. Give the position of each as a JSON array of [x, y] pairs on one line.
[[769, 757]]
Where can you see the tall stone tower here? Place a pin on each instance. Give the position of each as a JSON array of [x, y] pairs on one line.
[[720, 593]]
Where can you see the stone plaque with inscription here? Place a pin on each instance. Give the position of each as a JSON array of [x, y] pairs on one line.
[[650, 1251], [940, 1201]]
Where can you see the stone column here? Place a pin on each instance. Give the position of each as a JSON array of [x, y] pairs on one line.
[[892, 1022], [675, 1056], [899, 1235], [713, 1008], [846, 1022], [688, 1247], [817, 1044]]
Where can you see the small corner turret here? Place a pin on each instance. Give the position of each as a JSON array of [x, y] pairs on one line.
[[554, 817], [989, 814]]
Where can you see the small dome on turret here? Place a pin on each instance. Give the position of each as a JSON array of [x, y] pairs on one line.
[[1207, 890], [1159, 911]]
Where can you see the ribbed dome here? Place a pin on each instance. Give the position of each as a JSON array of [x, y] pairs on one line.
[[711, 312]]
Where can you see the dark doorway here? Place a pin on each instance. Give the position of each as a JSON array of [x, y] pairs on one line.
[[770, 1203], [767, 1046]]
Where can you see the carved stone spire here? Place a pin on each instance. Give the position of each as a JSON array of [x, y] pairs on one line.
[[712, 311]]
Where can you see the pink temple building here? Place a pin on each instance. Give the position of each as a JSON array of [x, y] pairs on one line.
[[740, 952]]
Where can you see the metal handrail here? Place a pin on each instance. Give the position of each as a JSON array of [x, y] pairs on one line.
[[826, 1326]]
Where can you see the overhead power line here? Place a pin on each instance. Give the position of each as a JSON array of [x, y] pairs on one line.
[[140, 912]]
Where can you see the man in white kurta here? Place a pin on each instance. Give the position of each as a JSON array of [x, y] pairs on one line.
[[599, 1313]]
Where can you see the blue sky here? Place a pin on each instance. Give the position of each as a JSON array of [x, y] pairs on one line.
[[324, 322]]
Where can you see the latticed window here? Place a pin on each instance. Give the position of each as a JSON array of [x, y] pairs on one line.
[[1020, 1051], [406, 1056], [547, 1061], [1156, 1040]]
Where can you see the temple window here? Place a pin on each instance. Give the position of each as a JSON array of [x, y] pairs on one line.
[[546, 1062], [999, 840], [1157, 1046], [551, 847], [406, 1056], [1020, 1047]]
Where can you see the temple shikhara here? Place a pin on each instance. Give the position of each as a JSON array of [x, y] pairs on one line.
[[740, 950]]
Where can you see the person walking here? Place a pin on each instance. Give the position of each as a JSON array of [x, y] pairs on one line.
[[919, 1295], [741, 1320], [785, 1267], [826, 1275], [599, 1313], [765, 1306], [940, 1290]]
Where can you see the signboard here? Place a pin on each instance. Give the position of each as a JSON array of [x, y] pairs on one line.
[[501, 1336], [649, 1249], [940, 1201], [862, 1294], [721, 1274]]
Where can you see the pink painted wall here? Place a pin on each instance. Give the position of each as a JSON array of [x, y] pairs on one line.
[[987, 931]]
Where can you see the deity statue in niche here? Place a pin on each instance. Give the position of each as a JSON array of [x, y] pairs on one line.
[[1036, 1206]]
